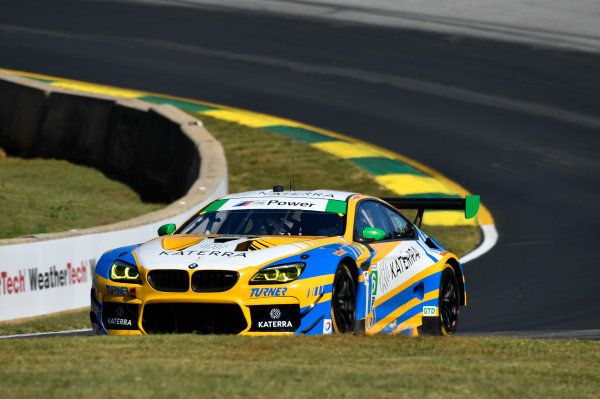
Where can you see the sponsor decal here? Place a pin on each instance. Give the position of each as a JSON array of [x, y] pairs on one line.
[[57, 278], [274, 324], [297, 194], [120, 316], [14, 284], [275, 202], [393, 324], [39, 279], [275, 317], [275, 313], [327, 326], [429, 311], [340, 252], [223, 254], [116, 321], [246, 203], [266, 292], [390, 270], [116, 290]]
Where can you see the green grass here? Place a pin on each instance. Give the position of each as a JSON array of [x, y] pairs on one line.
[[49, 195], [349, 366], [74, 320], [258, 159]]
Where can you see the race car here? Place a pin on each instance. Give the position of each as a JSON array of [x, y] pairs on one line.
[[286, 262]]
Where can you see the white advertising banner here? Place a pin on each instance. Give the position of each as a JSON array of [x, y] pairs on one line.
[[55, 275]]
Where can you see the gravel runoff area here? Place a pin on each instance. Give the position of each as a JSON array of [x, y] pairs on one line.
[[558, 23]]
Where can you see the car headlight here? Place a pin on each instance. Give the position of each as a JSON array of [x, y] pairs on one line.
[[279, 274], [124, 273]]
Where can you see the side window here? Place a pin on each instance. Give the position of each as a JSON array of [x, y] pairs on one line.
[[400, 226], [371, 214]]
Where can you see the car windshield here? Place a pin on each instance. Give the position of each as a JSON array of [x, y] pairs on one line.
[[253, 222]]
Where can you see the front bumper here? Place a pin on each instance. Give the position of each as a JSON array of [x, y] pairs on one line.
[[300, 307]]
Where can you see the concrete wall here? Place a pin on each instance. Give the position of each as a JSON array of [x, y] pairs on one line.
[[165, 152], [141, 142]]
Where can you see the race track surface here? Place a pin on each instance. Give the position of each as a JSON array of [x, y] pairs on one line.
[[517, 124]]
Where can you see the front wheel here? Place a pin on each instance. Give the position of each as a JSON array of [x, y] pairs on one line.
[[343, 301], [446, 322]]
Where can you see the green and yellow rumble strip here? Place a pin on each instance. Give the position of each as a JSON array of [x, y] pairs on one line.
[[399, 174]]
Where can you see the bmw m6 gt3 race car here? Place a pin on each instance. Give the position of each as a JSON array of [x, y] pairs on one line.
[[283, 262]]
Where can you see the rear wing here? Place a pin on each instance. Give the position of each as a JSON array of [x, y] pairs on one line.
[[470, 204]]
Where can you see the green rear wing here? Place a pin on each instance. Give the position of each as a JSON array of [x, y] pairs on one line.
[[470, 204]]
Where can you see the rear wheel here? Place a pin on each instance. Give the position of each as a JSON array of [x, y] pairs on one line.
[[343, 301], [446, 322]]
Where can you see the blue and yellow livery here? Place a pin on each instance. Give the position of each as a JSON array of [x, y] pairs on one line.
[[285, 262]]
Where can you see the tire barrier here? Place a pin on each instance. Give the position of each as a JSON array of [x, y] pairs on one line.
[[158, 149]]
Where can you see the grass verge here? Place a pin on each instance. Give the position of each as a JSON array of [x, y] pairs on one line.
[[349, 366], [50, 195], [72, 320]]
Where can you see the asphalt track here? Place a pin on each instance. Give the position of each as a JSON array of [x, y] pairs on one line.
[[517, 124]]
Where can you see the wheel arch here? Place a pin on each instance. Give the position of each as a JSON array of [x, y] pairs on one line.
[[353, 269], [460, 278], [346, 266]]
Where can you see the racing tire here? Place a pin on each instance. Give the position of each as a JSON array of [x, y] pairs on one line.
[[343, 301], [446, 322]]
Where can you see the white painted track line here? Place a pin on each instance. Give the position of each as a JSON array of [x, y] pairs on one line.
[[48, 334], [490, 237]]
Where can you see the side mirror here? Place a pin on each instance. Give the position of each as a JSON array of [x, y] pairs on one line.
[[373, 233], [166, 229]]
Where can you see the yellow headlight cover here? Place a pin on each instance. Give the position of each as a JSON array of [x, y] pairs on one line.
[[124, 273], [279, 274]]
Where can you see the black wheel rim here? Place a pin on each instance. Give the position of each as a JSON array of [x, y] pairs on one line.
[[343, 302], [449, 302]]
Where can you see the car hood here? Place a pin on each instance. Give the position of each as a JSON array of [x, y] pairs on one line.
[[228, 253]]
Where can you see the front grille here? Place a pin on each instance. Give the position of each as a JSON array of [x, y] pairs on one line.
[[201, 318], [169, 280], [214, 280]]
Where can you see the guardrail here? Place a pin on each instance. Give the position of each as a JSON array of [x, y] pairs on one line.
[[157, 146]]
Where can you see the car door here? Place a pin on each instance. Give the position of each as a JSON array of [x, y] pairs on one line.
[[396, 259]]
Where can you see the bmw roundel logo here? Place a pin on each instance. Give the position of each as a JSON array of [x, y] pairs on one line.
[[193, 266]]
